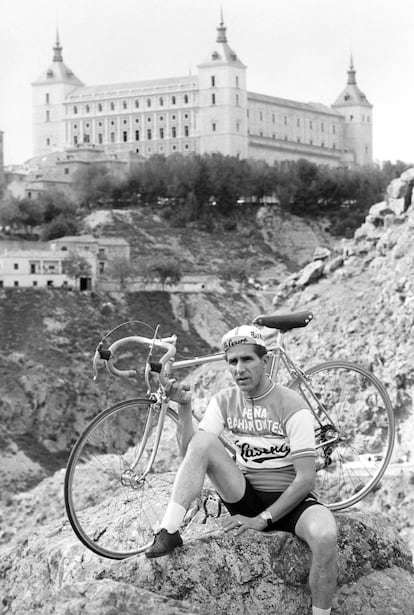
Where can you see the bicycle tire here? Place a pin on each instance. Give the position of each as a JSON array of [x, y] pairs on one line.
[[359, 406], [113, 516]]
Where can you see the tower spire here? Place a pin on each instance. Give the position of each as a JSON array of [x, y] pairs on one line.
[[57, 49], [351, 72], [221, 30]]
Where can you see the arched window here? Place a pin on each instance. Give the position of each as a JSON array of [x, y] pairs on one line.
[[112, 106], [75, 109]]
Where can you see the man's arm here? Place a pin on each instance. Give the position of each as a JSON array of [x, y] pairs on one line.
[[180, 393]]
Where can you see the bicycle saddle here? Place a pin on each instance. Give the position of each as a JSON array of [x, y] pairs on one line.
[[284, 322]]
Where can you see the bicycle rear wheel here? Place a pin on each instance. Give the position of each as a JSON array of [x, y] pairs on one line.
[[114, 510], [359, 416]]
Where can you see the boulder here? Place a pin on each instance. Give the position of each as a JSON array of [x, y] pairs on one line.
[[408, 175], [310, 273], [51, 573], [397, 188], [397, 205], [321, 253]]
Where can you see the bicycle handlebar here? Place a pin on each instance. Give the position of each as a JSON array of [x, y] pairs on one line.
[[108, 356]]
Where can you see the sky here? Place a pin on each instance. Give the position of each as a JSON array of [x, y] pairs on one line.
[[295, 49]]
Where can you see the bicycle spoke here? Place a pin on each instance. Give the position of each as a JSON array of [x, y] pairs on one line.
[[352, 403], [113, 507]]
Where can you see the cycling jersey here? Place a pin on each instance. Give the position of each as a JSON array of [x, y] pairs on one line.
[[269, 431]]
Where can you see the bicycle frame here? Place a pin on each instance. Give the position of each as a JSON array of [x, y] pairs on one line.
[[278, 357]]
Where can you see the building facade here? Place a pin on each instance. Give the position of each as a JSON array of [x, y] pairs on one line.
[[211, 111]]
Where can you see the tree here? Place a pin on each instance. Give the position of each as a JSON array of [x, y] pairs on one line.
[[121, 269], [77, 266], [164, 269], [238, 270]]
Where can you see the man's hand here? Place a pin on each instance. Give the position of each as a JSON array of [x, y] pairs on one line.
[[240, 524], [178, 392]]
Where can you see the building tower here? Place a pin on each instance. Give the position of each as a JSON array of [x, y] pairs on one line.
[[49, 92], [223, 100], [357, 111]]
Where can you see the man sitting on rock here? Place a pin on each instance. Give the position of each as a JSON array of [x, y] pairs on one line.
[[270, 484]]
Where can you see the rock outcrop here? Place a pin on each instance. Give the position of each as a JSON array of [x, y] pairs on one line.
[[49, 573]]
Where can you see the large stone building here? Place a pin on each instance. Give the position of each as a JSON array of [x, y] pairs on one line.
[[211, 111]]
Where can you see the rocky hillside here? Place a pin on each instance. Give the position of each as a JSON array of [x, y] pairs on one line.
[[361, 292]]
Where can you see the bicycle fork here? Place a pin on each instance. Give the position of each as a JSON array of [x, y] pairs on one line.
[[130, 478]]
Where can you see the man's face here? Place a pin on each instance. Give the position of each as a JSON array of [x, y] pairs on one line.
[[247, 369]]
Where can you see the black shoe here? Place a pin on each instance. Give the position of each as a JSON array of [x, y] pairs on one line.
[[164, 543]]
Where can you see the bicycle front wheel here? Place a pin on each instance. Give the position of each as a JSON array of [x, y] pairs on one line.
[[112, 505], [355, 411]]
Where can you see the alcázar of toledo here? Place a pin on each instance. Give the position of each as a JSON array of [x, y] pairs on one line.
[[120, 124]]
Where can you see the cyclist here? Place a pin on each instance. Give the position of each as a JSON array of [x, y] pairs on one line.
[[270, 484]]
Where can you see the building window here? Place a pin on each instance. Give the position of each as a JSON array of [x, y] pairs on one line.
[[87, 125], [112, 137], [48, 141], [173, 132], [186, 116], [161, 118], [161, 102], [213, 81], [125, 122], [260, 116], [125, 104], [161, 133], [137, 104], [238, 126], [16, 283], [148, 102], [237, 100], [75, 140], [99, 123], [213, 99], [125, 136], [185, 99], [47, 99], [112, 123], [137, 120], [334, 129], [173, 100], [273, 118], [34, 283], [237, 81], [66, 171], [148, 119], [149, 134], [174, 147], [99, 107], [186, 146], [15, 266], [322, 127], [137, 135], [75, 110], [286, 120], [186, 131], [87, 108], [298, 122], [112, 106], [86, 138], [173, 117], [310, 124], [213, 126], [100, 138]]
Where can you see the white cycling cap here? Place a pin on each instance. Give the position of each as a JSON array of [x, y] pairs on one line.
[[245, 334]]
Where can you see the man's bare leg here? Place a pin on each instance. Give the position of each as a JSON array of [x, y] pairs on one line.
[[317, 527]]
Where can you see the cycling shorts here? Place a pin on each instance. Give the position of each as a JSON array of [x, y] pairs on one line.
[[254, 502]]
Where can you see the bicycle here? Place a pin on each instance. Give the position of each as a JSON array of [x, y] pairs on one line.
[[119, 473]]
